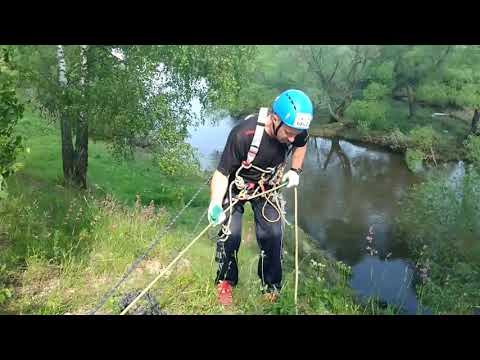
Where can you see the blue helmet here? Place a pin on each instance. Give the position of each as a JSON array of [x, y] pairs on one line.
[[294, 108]]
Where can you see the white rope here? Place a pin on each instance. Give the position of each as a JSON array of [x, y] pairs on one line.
[[296, 250]]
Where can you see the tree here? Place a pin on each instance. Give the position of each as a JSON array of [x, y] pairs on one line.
[[339, 71], [11, 110], [274, 69], [413, 65], [123, 93]]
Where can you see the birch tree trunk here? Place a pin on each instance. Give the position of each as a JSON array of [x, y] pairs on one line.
[[65, 124], [81, 141]]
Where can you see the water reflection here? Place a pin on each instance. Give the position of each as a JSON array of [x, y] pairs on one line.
[[391, 281]]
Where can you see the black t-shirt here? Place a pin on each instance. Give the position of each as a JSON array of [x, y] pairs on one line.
[[271, 152]]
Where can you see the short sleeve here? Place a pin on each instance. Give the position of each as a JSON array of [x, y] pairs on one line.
[[301, 139]]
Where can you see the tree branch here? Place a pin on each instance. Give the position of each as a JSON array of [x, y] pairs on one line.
[[443, 57], [334, 71]]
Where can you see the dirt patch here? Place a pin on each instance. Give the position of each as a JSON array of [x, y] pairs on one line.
[[39, 288], [153, 266]]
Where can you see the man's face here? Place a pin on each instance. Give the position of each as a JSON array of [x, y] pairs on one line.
[[287, 134]]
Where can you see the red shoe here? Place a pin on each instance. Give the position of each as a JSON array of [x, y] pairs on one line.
[[225, 293]]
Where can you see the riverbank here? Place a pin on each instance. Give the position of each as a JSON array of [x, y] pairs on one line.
[[451, 130], [389, 141]]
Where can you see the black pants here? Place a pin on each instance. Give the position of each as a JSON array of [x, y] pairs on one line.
[[269, 238]]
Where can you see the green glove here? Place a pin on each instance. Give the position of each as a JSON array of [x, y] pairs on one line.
[[215, 214]]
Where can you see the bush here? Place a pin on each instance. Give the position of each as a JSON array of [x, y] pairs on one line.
[[397, 139], [5, 292], [424, 138], [414, 159], [468, 95], [180, 159], [10, 112], [438, 220], [435, 93], [369, 115], [383, 73], [376, 91]]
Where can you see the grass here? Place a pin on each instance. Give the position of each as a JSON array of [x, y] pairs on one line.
[[62, 249], [124, 179]]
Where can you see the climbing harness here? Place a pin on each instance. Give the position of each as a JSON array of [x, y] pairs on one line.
[[270, 177], [257, 137]]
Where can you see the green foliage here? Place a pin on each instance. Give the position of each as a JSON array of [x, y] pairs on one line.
[[273, 69], [416, 63], [368, 115], [134, 93], [414, 159], [252, 97], [439, 220], [382, 73], [472, 144], [468, 95], [5, 292], [450, 92], [456, 82], [429, 212], [376, 91], [178, 160], [11, 110], [435, 93], [424, 138], [455, 291], [459, 75]]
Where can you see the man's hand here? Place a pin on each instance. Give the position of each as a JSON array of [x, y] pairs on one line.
[[292, 177], [215, 214]]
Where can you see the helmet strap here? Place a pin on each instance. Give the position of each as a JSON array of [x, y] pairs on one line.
[[275, 129]]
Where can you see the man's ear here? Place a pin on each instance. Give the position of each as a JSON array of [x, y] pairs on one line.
[[275, 118]]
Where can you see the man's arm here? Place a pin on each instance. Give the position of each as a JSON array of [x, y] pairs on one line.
[[218, 187], [298, 157]]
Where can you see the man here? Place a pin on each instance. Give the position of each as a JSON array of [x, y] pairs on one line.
[[255, 152]]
